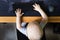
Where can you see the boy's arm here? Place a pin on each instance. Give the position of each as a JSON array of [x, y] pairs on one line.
[[18, 18], [18, 21], [43, 14]]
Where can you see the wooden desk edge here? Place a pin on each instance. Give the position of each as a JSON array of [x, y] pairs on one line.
[[12, 19]]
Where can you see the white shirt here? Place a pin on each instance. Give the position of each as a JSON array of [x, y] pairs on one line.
[[23, 29]]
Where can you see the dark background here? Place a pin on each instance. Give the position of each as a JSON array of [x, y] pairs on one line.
[[7, 7]]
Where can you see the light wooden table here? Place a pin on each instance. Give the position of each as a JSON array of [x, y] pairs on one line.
[[12, 19]]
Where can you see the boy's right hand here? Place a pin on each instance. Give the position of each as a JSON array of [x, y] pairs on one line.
[[18, 12]]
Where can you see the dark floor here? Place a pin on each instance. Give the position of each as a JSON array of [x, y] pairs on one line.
[[8, 32]]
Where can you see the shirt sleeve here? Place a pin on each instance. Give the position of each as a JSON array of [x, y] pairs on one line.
[[23, 29]]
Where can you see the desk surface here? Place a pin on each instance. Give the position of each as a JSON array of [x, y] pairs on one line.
[[12, 19]]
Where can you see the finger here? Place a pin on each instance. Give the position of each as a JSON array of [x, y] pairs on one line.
[[36, 4], [33, 5], [22, 13], [18, 9], [15, 11]]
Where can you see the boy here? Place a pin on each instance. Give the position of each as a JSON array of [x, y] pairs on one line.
[[34, 30]]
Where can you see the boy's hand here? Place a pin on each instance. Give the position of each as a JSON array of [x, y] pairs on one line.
[[36, 7], [18, 12]]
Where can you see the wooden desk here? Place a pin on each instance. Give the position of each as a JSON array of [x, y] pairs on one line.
[[12, 19]]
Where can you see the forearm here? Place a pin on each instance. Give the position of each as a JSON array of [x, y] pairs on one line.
[[18, 22], [44, 18], [43, 14]]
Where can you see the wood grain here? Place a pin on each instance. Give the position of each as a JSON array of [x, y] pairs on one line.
[[12, 19]]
